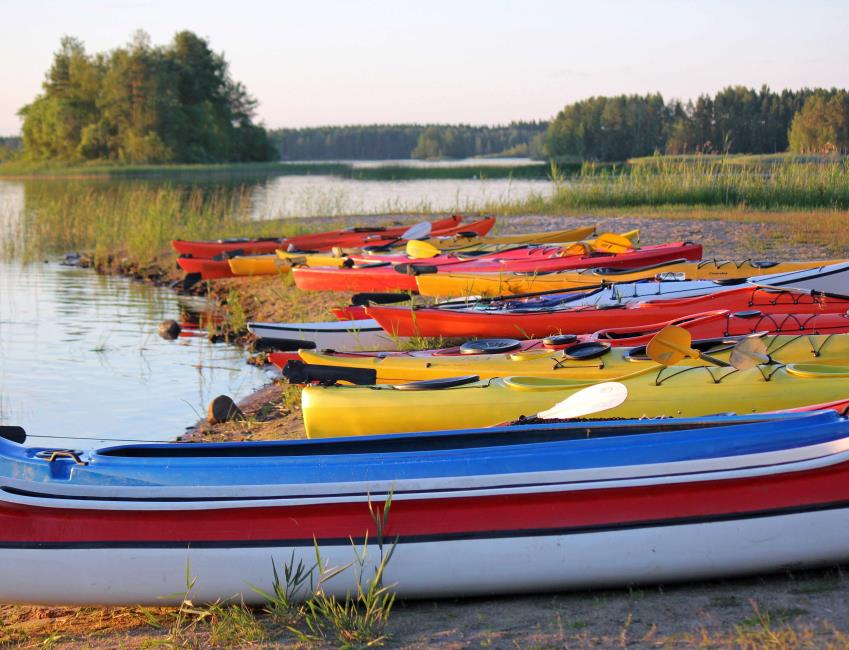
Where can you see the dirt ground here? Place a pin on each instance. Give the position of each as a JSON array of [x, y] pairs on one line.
[[806, 609]]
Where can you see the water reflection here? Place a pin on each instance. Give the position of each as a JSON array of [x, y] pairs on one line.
[[79, 356]]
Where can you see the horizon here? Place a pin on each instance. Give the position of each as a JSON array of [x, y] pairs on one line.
[[341, 65]]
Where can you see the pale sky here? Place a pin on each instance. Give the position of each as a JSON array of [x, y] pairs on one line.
[[476, 61]]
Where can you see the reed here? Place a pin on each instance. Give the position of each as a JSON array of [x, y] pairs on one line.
[[130, 219], [707, 182]]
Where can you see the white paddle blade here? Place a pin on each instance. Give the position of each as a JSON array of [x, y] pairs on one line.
[[418, 231], [593, 399], [749, 353]]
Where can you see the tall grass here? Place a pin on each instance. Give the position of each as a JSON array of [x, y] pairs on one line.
[[707, 182], [133, 220]]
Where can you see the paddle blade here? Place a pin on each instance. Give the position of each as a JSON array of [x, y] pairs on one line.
[[610, 242], [418, 231], [670, 345], [578, 248], [749, 353], [595, 398], [421, 249]]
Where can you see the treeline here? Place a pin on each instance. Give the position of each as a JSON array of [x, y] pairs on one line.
[[389, 141], [9, 147], [735, 120], [143, 104]]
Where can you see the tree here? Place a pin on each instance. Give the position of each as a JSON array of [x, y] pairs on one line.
[[143, 103], [822, 125]]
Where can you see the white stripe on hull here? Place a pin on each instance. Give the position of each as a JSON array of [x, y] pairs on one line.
[[439, 568]]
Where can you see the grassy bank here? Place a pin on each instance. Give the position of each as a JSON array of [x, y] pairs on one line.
[[707, 182], [136, 221]]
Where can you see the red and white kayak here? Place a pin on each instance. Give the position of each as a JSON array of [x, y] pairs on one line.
[[386, 276], [516, 509]]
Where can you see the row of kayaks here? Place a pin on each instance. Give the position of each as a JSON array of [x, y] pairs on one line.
[[595, 433]]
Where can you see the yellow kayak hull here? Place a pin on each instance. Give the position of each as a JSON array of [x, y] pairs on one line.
[[674, 391], [450, 284], [827, 349], [257, 265]]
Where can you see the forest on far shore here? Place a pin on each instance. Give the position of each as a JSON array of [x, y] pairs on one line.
[[735, 120], [178, 103]]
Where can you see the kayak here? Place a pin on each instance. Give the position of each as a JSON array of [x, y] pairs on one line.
[[503, 284], [282, 261], [587, 360], [511, 319], [674, 391], [383, 276], [832, 279], [219, 266], [344, 335], [358, 236], [477, 512], [448, 245]]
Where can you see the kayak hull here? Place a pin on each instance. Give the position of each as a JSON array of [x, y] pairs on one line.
[[527, 260], [684, 391], [505, 284], [470, 323], [471, 512], [344, 335], [311, 241], [535, 359]]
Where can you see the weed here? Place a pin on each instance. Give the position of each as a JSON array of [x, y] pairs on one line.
[[233, 625], [358, 620], [284, 601]]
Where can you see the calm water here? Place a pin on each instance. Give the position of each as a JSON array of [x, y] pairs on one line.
[[79, 353], [80, 356], [298, 196]]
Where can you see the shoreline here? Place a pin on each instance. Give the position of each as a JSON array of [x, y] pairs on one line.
[[792, 609]]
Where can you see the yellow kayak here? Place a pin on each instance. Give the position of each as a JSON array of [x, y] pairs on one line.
[[258, 265], [450, 284], [539, 361], [678, 391]]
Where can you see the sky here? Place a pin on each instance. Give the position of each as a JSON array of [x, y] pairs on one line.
[[437, 61]]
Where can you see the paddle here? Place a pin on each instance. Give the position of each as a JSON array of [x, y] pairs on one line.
[[609, 242], [671, 344], [749, 352], [13, 433], [595, 398], [421, 249]]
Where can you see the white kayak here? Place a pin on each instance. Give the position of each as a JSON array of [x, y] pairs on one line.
[[831, 280], [341, 336]]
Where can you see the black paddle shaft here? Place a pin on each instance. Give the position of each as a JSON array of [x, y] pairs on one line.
[[299, 372]]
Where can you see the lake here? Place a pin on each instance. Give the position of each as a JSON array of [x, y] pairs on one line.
[[80, 359]]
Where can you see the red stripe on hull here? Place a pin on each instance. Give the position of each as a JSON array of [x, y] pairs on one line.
[[422, 517]]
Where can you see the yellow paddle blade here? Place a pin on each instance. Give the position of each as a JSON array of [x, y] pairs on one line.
[[578, 248], [610, 242], [670, 345], [421, 249]]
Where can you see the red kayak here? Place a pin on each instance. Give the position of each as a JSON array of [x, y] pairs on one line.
[[386, 276], [215, 268], [529, 323], [322, 241]]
